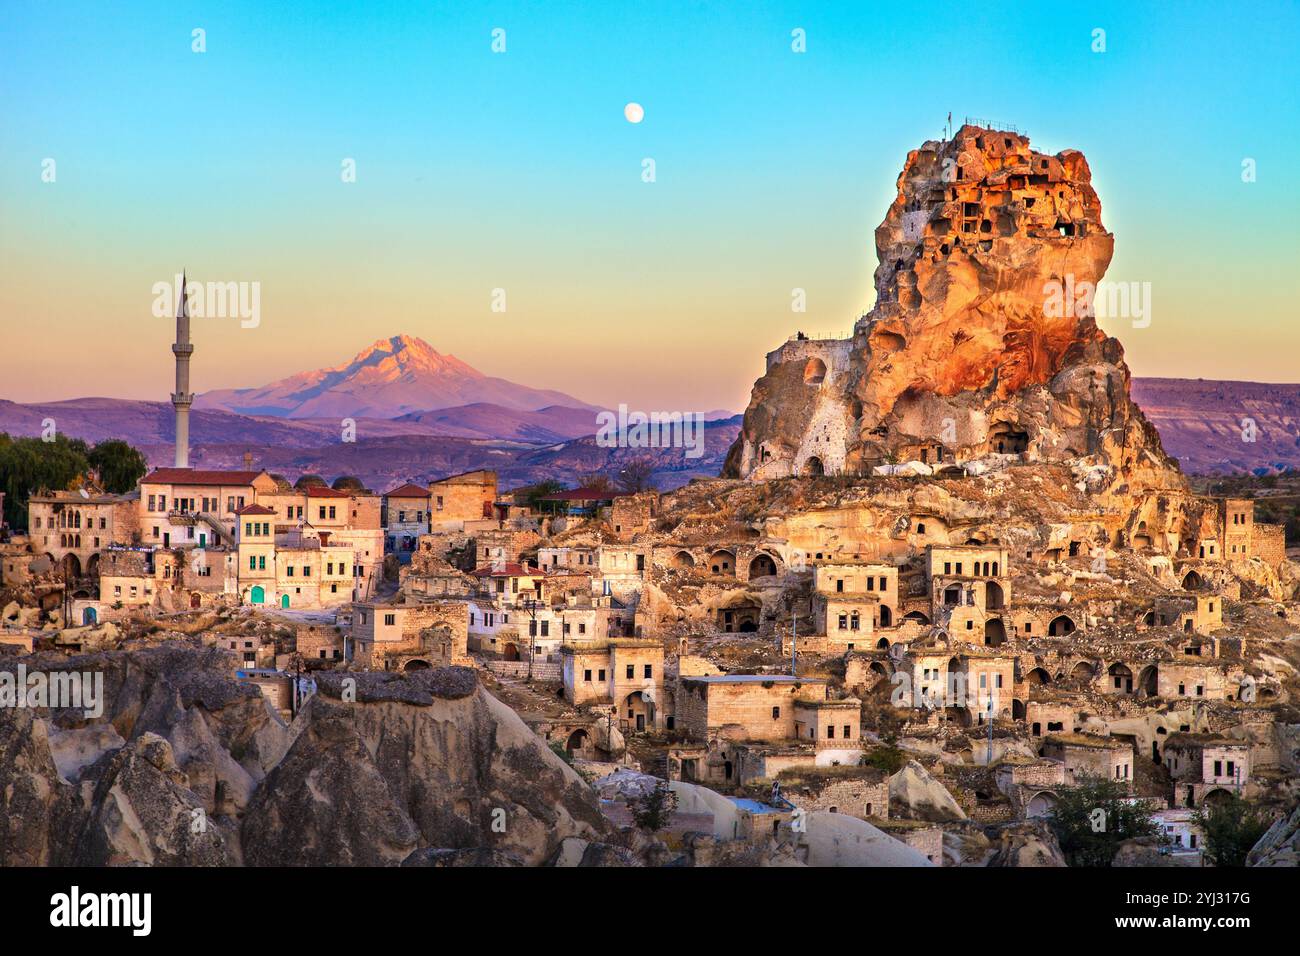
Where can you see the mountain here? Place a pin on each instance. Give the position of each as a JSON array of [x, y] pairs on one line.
[[1215, 427], [555, 423], [391, 378]]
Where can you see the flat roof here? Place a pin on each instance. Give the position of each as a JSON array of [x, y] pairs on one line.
[[755, 679]]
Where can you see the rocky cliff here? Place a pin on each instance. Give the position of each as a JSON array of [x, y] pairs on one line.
[[187, 766], [983, 339]]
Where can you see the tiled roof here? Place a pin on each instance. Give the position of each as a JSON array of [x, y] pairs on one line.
[[188, 476], [408, 490]]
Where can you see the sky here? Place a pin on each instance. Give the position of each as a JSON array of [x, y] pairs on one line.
[[478, 171]]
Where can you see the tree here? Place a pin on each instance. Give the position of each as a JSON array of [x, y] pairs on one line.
[[1231, 827], [652, 811], [596, 481], [120, 466], [637, 475], [1091, 821], [529, 495], [30, 465]]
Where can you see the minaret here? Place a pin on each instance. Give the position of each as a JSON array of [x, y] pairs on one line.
[[182, 398]]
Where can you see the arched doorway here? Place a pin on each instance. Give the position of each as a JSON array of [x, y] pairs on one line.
[[1038, 676], [1193, 581], [89, 616], [882, 644], [1017, 709], [257, 595], [92, 566], [416, 664], [886, 617], [70, 567], [577, 743], [683, 559], [1061, 625], [284, 601], [722, 562], [814, 372], [762, 566], [1040, 805], [1081, 671], [918, 616], [636, 710], [195, 600], [993, 597], [1217, 797], [1121, 678], [995, 632], [813, 467], [1149, 680], [510, 652]]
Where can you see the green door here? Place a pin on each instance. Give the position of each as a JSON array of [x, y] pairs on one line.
[[284, 600], [257, 595]]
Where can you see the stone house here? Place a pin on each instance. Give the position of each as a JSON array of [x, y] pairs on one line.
[[1088, 756], [1206, 767]]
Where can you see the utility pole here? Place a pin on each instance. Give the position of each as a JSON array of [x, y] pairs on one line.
[[988, 760]]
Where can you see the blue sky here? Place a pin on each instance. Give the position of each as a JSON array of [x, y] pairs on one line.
[[478, 171]]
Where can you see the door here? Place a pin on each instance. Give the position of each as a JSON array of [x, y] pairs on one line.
[[88, 616], [284, 600], [203, 539], [257, 595]]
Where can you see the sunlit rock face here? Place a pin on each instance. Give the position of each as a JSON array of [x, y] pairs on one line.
[[982, 340]]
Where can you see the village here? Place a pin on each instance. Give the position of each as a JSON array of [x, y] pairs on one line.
[[904, 628]]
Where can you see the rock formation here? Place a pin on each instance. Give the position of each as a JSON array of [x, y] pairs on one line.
[[982, 340], [187, 766]]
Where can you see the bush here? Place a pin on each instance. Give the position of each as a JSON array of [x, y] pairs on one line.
[[1091, 821]]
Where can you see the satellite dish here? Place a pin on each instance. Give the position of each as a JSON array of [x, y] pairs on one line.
[[84, 493]]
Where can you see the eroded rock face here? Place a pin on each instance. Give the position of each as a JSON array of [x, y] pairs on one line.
[[915, 795], [425, 760], [982, 340], [187, 766]]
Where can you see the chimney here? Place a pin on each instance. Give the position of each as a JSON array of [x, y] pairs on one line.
[[248, 461]]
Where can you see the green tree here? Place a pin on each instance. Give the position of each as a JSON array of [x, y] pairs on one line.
[[120, 466], [530, 495], [1231, 828], [1091, 821], [30, 465], [652, 811]]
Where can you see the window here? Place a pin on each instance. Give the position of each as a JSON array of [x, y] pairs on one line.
[[1218, 768], [848, 732], [631, 670], [586, 676], [776, 713], [830, 732], [648, 671], [332, 512], [390, 620], [601, 675]]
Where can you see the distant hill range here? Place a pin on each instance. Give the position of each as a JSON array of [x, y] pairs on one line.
[[1206, 424], [420, 414]]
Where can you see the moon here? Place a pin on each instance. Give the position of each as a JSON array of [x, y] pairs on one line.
[[633, 112]]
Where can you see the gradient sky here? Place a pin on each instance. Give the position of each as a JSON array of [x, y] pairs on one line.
[[478, 170]]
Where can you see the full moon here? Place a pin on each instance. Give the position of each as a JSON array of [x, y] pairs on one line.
[[634, 112]]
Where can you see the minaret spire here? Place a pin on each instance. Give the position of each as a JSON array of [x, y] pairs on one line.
[[182, 398]]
